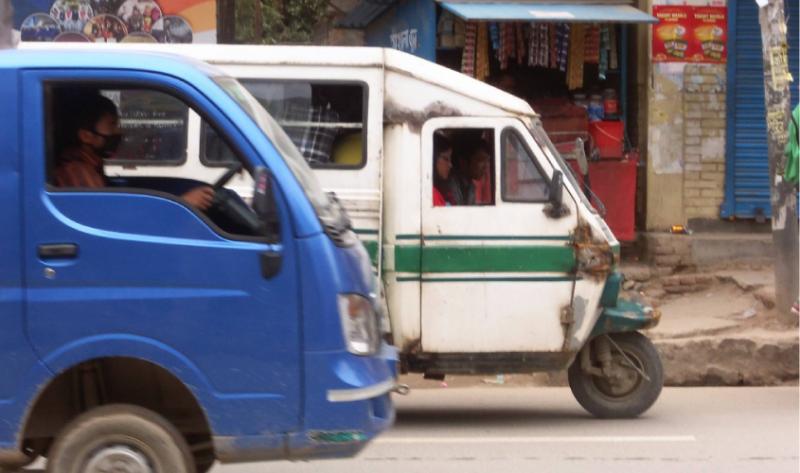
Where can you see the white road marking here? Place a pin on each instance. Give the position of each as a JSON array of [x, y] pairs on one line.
[[543, 439]]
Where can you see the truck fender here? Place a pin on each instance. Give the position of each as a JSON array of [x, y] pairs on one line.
[[114, 345]]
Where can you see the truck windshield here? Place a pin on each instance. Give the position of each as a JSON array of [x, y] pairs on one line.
[[329, 214]]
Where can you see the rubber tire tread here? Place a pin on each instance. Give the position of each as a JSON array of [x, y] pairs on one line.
[[204, 462], [168, 445], [636, 403]]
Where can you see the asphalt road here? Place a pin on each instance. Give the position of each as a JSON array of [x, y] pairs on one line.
[[514, 430], [509, 430]]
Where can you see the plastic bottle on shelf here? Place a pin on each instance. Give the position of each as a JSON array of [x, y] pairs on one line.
[[610, 103], [595, 108]]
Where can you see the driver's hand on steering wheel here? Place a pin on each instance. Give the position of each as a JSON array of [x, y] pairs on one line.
[[199, 197]]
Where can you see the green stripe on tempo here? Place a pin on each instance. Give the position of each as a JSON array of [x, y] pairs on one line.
[[407, 259], [484, 237], [487, 279], [372, 249], [484, 259], [496, 237], [363, 231]]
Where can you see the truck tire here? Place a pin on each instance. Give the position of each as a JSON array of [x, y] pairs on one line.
[[204, 461], [120, 437], [630, 394]]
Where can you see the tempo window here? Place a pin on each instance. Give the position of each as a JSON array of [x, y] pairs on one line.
[[153, 125], [463, 167], [326, 121], [523, 180]]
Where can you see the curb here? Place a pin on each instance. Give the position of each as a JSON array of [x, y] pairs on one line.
[[729, 361]]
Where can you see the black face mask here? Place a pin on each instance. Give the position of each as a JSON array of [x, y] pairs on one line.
[[110, 144]]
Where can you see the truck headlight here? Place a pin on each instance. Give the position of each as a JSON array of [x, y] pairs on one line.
[[359, 323]]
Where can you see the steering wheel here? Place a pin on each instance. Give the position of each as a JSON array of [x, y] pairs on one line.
[[225, 178], [229, 211]]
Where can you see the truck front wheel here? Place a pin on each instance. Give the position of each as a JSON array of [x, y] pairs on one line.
[[120, 437], [628, 385]]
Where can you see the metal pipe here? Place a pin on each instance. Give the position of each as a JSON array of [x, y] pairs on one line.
[[586, 362], [401, 389]]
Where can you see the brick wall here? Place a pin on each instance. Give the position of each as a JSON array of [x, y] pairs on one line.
[[666, 251], [704, 140]]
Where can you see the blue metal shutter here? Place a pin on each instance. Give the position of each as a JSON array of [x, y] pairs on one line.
[[747, 176]]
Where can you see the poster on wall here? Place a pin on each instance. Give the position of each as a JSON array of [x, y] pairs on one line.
[[672, 34], [117, 21], [687, 33], [710, 34]]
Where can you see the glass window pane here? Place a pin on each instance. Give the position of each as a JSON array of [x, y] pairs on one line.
[[153, 125], [153, 131], [523, 181], [324, 120], [214, 151], [463, 166]]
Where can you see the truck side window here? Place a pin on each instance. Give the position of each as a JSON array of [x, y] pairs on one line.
[[153, 126], [463, 166], [150, 125], [523, 180], [136, 139], [325, 120]]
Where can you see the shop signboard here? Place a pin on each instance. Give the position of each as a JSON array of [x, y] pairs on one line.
[[117, 21], [410, 28], [687, 33]]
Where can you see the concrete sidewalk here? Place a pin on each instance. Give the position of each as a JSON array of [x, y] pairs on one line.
[[720, 327]]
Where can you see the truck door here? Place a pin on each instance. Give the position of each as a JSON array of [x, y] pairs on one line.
[[138, 272], [495, 273]]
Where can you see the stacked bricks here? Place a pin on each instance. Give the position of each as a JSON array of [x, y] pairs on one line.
[[666, 251], [704, 140], [683, 283]]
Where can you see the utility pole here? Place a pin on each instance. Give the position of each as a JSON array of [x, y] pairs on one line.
[[258, 22], [782, 195], [6, 24], [226, 21]]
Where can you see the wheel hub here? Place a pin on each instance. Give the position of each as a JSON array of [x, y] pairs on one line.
[[622, 379], [118, 459]]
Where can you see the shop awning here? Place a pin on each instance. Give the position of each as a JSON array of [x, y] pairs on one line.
[[549, 12]]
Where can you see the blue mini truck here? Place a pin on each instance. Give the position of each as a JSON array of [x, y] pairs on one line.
[[139, 331]]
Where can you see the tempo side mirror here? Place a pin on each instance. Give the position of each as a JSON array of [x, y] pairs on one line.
[[555, 207], [580, 156], [264, 203]]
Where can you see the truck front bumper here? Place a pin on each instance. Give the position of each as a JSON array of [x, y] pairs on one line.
[[352, 409], [347, 404]]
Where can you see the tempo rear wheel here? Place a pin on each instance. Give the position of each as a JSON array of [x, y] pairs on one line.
[[120, 438]]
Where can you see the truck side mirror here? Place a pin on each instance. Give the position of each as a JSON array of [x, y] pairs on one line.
[[264, 203], [555, 207]]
